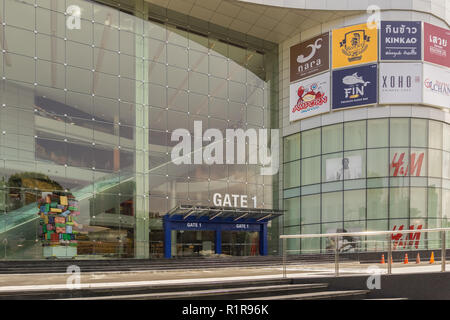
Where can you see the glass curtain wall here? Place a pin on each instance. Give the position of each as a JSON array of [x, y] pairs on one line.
[[377, 174], [88, 111]]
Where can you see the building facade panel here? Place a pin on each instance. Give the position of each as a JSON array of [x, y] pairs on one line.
[[89, 112], [90, 100]]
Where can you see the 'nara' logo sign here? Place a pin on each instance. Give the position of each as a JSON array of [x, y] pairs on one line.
[[310, 57], [354, 45]]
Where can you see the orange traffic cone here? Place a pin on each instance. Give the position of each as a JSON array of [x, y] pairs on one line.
[[432, 257], [382, 259], [418, 258], [406, 259]]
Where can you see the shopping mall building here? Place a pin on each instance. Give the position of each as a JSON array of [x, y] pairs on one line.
[[354, 103]]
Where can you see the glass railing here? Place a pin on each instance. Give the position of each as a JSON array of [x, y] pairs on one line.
[[387, 252]]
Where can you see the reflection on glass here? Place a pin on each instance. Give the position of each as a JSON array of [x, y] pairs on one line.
[[93, 116]]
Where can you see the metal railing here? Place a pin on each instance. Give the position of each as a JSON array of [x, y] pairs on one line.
[[389, 240]]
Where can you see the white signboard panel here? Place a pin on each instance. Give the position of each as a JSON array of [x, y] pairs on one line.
[[436, 86], [400, 83], [310, 97]]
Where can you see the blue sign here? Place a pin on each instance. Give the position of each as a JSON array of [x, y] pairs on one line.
[[224, 226], [354, 87], [401, 40]]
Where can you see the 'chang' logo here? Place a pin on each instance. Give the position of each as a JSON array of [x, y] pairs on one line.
[[354, 44], [357, 86], [307, 100], [438, 86]]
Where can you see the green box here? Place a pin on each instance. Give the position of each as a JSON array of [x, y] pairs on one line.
[[60, 252]]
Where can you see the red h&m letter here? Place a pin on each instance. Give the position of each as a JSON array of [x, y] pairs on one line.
[[416, 165]]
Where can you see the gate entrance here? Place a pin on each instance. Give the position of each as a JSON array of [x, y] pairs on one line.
[[236, 243], [194, 243], [237, 231]]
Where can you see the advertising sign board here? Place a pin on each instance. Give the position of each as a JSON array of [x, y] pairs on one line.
[[401, 40], [310, 57], [310, 97], [354, 45], [354, 87], [436, 86], [400, 83], [436, 45]]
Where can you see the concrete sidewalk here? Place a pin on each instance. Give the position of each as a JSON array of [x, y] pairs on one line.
[[35, 282]]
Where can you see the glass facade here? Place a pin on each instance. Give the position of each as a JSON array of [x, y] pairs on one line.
[[375, 175], [90, 112]]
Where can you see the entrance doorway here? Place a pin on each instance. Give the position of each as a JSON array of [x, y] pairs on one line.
[[238, 243], [194, 243], [199, 230]]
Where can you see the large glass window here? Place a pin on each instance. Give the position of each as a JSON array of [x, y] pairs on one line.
[[90, 113], [446, 165], [311, 143], [435, 137], [332, 207], [293, 245], [377, 243], [399, 203], [399, 132], [418, 204], [419, 133], [355, 135], [310, 209], [292, 174], [377, 203], [434, 203], [311, 245], [377, 163], [400, 177], [435, 163], [310, 170], [292, 213], [355, 205], [446, 137], [377, 133], [292, 147], [332, 138]]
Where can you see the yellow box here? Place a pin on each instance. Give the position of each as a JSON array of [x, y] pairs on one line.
[[63, 200]]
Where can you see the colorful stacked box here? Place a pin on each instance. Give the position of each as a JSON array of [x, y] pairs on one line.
[[57, 214]]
